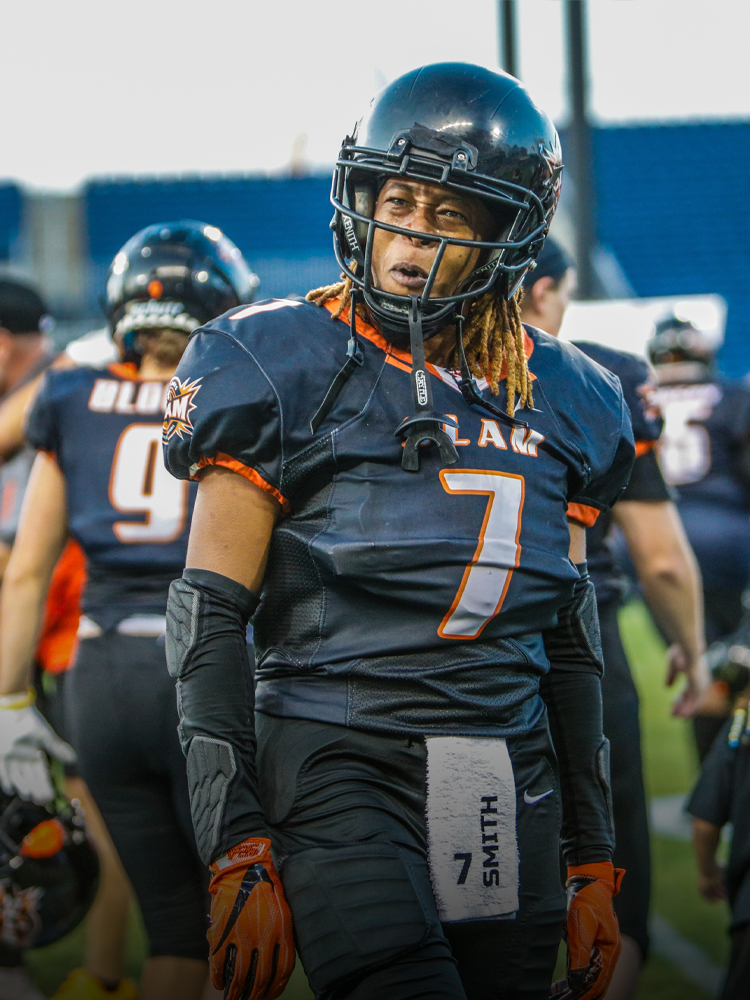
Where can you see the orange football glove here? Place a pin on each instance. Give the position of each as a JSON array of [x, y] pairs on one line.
[[593, 933], [250, 937]]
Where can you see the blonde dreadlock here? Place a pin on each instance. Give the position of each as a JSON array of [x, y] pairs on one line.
[[327, 292], [493, 337]]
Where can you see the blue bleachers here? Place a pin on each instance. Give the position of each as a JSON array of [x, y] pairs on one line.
[[280, 224], [673, 205]]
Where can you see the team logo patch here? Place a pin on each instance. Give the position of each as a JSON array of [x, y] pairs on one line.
[[180, 405], [19, 914]]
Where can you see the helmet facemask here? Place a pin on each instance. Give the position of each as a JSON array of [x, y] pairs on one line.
[[429, 156]]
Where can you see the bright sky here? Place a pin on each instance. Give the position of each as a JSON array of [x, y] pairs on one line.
[[186, 86]]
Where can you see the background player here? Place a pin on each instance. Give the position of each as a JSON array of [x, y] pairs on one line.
[[671, 586], [27, 353], [705, 455], [721, 796], [381, 622], [97, 475]]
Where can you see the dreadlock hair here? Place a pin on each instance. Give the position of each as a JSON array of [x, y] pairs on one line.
[[327, 292], [493, 338]]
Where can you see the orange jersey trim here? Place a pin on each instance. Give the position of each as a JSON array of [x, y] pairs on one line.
[[644, 447], [227, 462], [124, 369], [403, 359], [583, 514]]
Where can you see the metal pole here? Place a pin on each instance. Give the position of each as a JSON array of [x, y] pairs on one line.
[[579, 146], [506, 22]]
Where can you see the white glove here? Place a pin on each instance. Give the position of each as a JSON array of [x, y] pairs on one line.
[[25, 741]]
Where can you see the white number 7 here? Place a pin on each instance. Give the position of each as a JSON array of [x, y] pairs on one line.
[[486, 578]]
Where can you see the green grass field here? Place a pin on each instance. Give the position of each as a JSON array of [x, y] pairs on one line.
[[670, 769]]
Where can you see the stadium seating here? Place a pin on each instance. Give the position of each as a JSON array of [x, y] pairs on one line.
[[672, 207], [280, 224]]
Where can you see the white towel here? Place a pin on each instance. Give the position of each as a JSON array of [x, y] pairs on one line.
[[471, 828]]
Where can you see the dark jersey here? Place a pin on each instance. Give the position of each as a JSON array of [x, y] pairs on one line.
[[706, 427], [131, 517], [722, 795], [646, 481], [399, 600]]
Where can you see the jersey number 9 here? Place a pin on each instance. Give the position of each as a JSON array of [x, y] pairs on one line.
[[140, 484]]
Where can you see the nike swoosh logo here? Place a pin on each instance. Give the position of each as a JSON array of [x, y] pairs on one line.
[[531, 800]]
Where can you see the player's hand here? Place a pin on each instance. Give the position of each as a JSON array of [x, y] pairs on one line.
[[26, 741], [593, 933], [711, 885], [250, 937], [697, 677]]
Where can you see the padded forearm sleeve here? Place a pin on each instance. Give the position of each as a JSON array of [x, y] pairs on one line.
[[207, 655], [572, 693], [575, 643]]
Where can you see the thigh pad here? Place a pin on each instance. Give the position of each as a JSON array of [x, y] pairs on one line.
[[357, 907]]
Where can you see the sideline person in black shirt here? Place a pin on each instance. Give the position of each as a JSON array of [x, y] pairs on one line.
[[721, 796], [669, 579]]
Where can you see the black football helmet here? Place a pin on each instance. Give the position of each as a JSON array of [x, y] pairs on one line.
[[174, 275], [48, 872], [677, 340], [473, 130]]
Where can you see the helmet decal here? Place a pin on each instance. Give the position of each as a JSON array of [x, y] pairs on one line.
[[554, 182]]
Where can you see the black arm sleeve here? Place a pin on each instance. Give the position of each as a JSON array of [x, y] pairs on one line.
[[207, 655], [572, 693]]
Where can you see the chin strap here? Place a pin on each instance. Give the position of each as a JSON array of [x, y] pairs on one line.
[[355, 357], [426, 424], [468, 384]]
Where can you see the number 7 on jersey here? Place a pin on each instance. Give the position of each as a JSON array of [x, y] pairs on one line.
[[487, 577]]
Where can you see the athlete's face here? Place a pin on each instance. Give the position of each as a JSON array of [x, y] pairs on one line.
[[401, 264]]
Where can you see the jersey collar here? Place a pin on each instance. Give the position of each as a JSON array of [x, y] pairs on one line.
[[402, 359]]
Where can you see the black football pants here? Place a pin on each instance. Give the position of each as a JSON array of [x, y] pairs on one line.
[[623, 730], [121, 718], [346, 811]]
